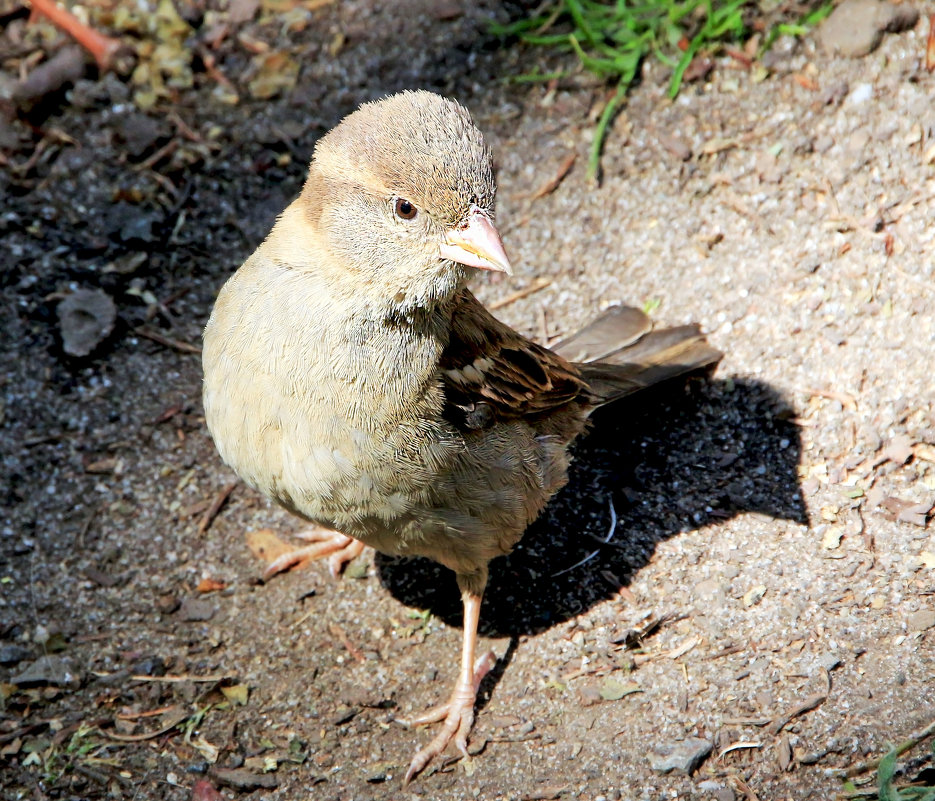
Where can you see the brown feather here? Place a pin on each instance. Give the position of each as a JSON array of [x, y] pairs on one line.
[[489, 365], [492, 373]]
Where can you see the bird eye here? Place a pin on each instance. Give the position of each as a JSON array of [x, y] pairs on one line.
[[404, 209]]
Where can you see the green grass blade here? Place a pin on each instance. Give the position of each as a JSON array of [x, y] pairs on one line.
[[611, 38], [675, 84], [600, 130], [536, 77], [885, 773], [577, 14]]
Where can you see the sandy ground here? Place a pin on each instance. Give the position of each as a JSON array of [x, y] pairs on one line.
[[769, 586]]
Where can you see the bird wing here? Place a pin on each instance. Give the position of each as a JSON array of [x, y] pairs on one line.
[[492, 373]]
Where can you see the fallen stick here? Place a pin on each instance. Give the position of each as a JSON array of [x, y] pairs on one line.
[[102, 48], [205, 523]]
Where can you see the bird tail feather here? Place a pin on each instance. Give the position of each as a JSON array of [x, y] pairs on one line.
[[619, 353]]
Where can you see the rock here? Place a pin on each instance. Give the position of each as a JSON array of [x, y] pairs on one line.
[[65, 67], [87, 94], [139, 229], [167, 604], [114, 679], [104, 90], [149, 666], [9, 134], [48, 669], [344, 714], [242, 779], [204, 791], [861, 94], [679, 757], [829, 661], [677, 146], [140, 133], [589, 695], [716, 790], [86, 318], [709, 593], [856, 27], [921, 620], [101, 577], [133, 225], [196, 610], [13, 654]]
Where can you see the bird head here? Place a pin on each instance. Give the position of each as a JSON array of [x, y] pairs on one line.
[[402, 190]]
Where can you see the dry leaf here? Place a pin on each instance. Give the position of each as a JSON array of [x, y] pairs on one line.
[[240, 11], [236, 693], [337, 44], [754, 596], [613, 689], [831, 538], [276, 72], [107, 465], [899, 449], [906, 511], [805, 82], [208, 750], [265, 545], [263, 763], [210, 585]]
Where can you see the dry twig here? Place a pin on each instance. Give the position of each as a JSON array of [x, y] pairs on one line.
[[552, 184], [338, 632], [180, 679], [175, 344], [804, 706], [535, 286], [205, 523], [173, 721]]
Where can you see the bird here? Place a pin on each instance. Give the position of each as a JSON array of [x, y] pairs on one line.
[[351, 375]]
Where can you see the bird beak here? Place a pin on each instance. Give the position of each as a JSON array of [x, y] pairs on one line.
[[476, 244]]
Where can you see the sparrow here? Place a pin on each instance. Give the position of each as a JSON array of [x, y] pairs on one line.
[[351, 376]]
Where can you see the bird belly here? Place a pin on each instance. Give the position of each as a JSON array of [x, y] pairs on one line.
[[346, 428]]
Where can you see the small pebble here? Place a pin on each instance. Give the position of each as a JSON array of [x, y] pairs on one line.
[[682, 757]]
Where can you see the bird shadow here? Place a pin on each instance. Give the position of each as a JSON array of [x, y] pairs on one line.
[[653, 466]]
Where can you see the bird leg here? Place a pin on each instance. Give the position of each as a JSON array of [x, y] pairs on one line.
[[339, 548], [457, 714]]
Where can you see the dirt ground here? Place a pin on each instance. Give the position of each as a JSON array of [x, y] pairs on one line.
[[770, 585]]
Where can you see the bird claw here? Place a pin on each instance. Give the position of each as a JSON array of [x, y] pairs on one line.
[[456, 715], [339, 548]]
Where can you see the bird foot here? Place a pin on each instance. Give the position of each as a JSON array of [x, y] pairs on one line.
[[339, 548], [456, 716]]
